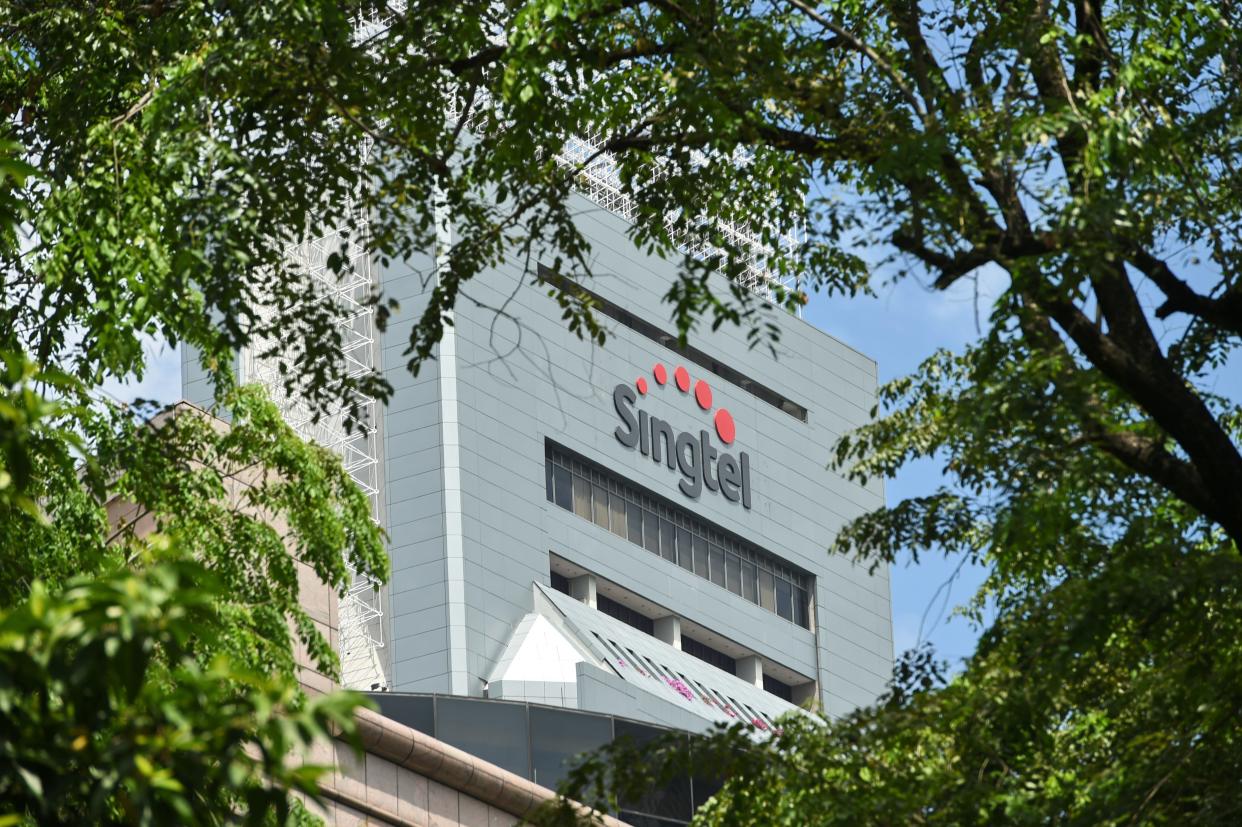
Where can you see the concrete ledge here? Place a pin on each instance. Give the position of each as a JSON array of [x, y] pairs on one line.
[[447, 765]]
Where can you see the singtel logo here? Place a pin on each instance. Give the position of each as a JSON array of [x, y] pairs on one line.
[[701, 465]]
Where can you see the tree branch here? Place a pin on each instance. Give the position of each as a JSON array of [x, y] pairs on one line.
[[1225, 311]]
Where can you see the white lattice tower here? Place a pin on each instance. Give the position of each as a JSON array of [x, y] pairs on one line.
[[351, 435], [598, 179]]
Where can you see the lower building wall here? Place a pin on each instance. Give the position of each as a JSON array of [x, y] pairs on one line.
[[405, 778], [375, 791]]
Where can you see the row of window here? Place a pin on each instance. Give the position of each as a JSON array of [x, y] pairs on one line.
[[677, 536], [707, 654]]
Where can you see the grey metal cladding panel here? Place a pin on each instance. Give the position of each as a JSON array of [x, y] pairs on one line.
[[556, 385], [196, 387], [426, 673], [569, 388], [408, 281], [639, 282], [575, 408]]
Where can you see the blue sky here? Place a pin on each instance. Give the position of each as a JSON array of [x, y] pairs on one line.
[[898, 327]]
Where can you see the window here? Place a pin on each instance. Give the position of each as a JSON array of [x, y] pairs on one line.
[[625, 614], [635, 516], [616, 515], [700, 557], [582, 497], [784, 598], [733, 573], [651, 531], [677, 535], [600, 501], [802, 608], [564, 487], [707, 654], [767, 591], [715, 564], [668, 541], [778, 688]]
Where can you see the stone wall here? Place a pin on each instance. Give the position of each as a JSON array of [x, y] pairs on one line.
[[408, 779]]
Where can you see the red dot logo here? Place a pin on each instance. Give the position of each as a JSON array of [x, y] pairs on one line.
[[703, 395], [725, 427]]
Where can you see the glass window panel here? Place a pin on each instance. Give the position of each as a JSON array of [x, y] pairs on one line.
[[634, 516], [493, 730], [700, 556], [416, 711], [683, 548], [668, 541], [582, 497], [616, 515], [715, 563], [557, 737], [801, 608], [733, 573], [599, 499], [750, 584], [686, 555], [651, 531], [784, 598], [767, 590], [547, 473], [670, 802], [563, 487]]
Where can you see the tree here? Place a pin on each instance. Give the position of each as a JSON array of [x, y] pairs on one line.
[[111, 716], [1087, 151], [149, 678]]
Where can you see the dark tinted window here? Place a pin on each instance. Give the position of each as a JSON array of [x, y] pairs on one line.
[[668, 541], [784, 599], [708, 654], [733, 573], [670, 801], [634, 515], [625, 614], [715, 564], [556, 737], [493, 730], [563, 487], [778, 688], [415, 711], [651, 532]]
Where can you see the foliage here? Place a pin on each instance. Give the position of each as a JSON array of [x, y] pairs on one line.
[[149, 681], [1087, 153], [109, 714]]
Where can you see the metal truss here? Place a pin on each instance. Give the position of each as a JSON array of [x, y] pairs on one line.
[[355, 437], [598, 179]]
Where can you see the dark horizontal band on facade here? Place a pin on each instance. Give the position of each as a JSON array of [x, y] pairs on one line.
[[668, 340], [630, 511]]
